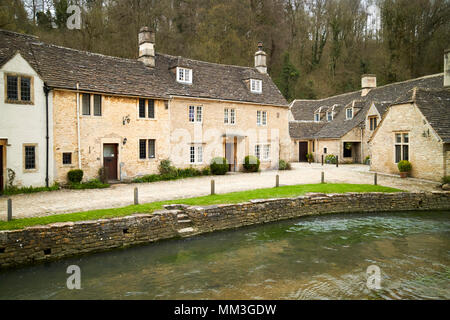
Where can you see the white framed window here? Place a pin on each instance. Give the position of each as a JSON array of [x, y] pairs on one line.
[[196, 154], [184, 75], [147, 148], [329, 116], [349, 113], [229, 116], [195, 114], [316, 117], [199, 114], [256, 86], [261, 118], [191, 113], [401, 146], [262, 151], [18, 89]]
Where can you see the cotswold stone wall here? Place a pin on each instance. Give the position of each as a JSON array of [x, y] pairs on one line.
[[58, 240]]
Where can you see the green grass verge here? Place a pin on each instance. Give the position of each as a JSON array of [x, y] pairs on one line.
[[233, 197]]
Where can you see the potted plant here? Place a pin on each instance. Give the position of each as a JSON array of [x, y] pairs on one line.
[[404, 167]]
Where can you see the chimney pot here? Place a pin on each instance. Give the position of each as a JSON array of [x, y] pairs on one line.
[[260, 59], [146, 39], [447, 68]]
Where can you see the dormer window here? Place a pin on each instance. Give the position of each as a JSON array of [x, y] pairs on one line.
[[316, 117], [184, 75], [256, 86], [329, 116], [349, 113]]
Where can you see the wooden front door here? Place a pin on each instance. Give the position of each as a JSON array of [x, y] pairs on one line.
[[302, 151], [110, 160], [1, 169], [230, 154]]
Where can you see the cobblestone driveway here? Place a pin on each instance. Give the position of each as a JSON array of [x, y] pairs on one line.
[[66, 201]]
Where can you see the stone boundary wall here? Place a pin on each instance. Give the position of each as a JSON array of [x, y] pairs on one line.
[[58, 240]]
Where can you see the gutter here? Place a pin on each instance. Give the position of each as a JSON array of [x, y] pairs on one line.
[[46, 91], [78, 126]]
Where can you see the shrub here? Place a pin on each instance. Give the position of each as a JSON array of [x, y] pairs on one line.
[[91, 184], [367, 160], [404, 166], [284, 165], [165, 168], [251, 164], [310, 157], [102, 175], [11, 177], [206, 171], [446, 179], [16, 190], [75, 176], [219, 166], [331, 158], [189, 172]]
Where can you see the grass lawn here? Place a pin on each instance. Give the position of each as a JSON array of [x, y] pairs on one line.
[[233, 197]]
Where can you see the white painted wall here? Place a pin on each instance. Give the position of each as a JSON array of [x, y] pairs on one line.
[[26, 124]]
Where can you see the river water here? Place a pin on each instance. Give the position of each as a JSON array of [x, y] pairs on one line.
[[322, 257]]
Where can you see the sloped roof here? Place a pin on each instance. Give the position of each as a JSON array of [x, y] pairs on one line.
[[304, 129], [382, 97], [63, 67]]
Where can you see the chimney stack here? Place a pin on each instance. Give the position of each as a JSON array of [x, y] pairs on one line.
[[147, 47], [260, 59], [368, 82], [447, 68]]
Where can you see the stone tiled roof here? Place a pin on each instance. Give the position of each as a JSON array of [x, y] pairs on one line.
[[62, 67], [304, 129], [434, 105], [382, 97]]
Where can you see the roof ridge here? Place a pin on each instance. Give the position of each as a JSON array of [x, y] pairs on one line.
[[20, 34]]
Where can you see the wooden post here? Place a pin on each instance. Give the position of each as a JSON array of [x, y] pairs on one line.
[[322, 159], [213, 187], [375, 179], [277, 181], [337, 161], [9, 217], [136, 196], [322, 180]]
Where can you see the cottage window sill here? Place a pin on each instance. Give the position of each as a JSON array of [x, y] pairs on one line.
[[19, 102]]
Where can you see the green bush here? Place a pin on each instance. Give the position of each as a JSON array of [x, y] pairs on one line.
[[251, 164], [206, 171], [102, 175], [310, 157], [91, 184], [219, 166], [75, 176], [446, 179], [165, 168], [189, 172], [284, 165], [331, 158], [404, 166], [11, 190]]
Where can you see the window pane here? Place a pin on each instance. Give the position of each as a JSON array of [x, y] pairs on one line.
[[258, 118], [30, 157], [180, 74], [200, 154], [191, 113], [264, 118], [233, 116], [375, 120], [97, 105], [192, 154], [67, 158], [187, 75], [86, 101], [151, 148], [266, 151], [398, 138], [141, 108], [25, 89], [151, 108], [199, 114], [257, 151], [405, 152], [406, 138], [225, 116], [397, 153], [142, 149], [12, 90]]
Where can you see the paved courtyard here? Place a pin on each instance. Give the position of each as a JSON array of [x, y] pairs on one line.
[[67, 201]]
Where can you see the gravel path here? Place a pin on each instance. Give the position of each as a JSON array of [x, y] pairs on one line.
[[66, 201]]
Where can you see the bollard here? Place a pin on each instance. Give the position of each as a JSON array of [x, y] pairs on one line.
[[9, 217], [322, 180], [375, 179], [213, 187], [337, 161], [277, 181], [136, 196], [322, 159]]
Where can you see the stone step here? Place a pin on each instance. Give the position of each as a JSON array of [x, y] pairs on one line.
[[186, 231], [184, 221], [182, 215]]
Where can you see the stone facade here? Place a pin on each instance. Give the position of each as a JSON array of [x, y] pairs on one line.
[[426, 150], [59, 240]]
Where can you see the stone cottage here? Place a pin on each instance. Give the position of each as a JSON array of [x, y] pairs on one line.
[[92, 111], [342, 125]]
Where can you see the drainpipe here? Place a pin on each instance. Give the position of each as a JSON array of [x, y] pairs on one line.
[[78, 126], [361, 155], [46, 91]]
